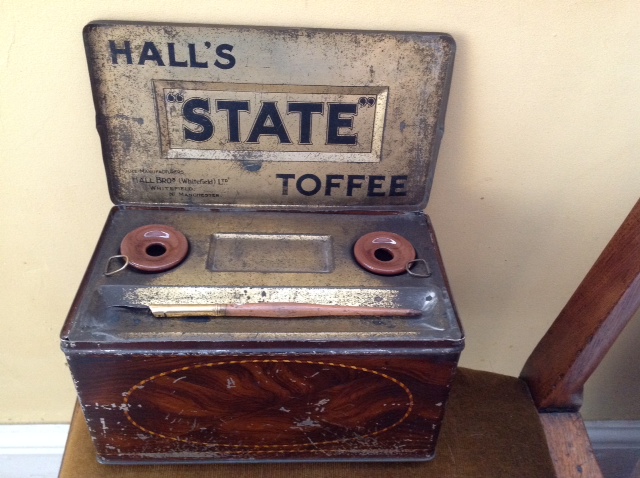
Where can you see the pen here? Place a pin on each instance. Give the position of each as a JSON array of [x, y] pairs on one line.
[[275, 310]]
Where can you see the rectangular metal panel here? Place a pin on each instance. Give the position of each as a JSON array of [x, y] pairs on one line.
[[110, 308], [246, 252], [277, 118], [303, 123], [254, 407]]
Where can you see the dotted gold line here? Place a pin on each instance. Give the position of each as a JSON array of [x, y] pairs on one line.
[[262, 448]]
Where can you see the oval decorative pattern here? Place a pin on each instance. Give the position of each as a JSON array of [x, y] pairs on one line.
[[268, 404]]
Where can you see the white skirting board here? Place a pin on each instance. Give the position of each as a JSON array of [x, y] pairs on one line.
[[31, 451], [617, 447], [35, 451], [614, 434]]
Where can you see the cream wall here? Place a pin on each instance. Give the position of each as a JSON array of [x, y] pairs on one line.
[[538, 167]]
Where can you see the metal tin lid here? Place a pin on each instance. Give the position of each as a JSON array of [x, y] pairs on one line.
[[210, 116]]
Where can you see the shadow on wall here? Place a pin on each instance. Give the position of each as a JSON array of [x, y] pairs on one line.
[[516, 230]]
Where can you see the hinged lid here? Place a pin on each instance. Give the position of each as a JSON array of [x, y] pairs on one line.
[[204, 116]]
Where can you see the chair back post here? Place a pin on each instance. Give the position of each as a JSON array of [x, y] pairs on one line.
[[589, 324]]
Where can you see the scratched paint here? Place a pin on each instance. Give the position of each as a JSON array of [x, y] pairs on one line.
[[324, 103], [275, 179], [245, 409]]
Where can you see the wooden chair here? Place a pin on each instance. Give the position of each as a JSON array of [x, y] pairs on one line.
[[495, 426], [576, 343]]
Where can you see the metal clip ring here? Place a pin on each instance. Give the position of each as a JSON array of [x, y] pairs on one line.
[[407, 267], [119, 256]]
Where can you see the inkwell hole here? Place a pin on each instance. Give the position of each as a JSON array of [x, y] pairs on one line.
[[155, 250], [383, 255]]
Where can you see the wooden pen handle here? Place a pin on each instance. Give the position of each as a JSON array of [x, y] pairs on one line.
[[275, 310], [292, 310]]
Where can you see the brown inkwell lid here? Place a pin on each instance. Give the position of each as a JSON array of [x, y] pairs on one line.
[[384, 253], [154, 248]]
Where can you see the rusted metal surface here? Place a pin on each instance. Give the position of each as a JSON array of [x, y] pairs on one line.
[[195, 281], [253, 117], [272, 151], [176, 408]]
